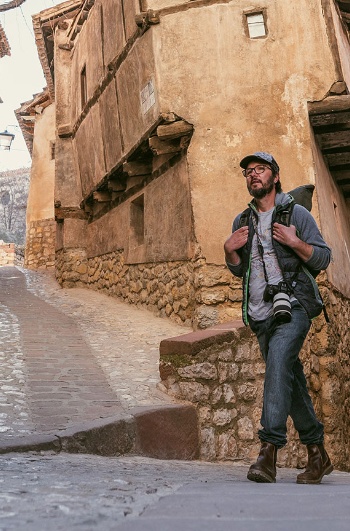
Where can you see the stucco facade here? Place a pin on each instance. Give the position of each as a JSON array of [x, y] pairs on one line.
[[156, 102]]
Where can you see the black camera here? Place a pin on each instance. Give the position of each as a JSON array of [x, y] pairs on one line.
[[280, 296]]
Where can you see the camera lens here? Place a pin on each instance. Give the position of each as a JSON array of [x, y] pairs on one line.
[[282, 308]]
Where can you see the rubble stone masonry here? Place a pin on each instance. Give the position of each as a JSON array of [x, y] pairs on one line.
[[223, 376], [7, 254], [40, 244], [190, 293]]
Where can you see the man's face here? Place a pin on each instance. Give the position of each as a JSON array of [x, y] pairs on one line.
[[260, 179]]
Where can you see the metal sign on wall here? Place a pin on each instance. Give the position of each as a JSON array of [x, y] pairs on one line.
[[148, 97]]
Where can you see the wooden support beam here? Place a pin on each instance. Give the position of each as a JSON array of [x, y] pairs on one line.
[[147, 18], [320, 120], [102, 196], [137, 168], [340, 139], [162, 147], [116, 186], [339, 159], [174, 130], [330, 105], [134, 181], [64, 131], [341, 176]]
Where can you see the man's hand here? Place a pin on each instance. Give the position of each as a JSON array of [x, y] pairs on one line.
[[234, 242], [288, 236]]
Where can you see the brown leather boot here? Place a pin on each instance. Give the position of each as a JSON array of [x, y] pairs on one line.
[[264, 470], [318, 465]]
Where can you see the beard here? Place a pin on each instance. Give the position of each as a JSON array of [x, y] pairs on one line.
[[259, 193]]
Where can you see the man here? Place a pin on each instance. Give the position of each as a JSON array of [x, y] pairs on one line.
[[285, 258]]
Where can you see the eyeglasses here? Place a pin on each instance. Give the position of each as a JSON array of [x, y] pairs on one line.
[[258, 169]]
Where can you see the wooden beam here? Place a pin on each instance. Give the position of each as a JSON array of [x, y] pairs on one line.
[[134, 181], [137, 168], [116, 186], [162, 147], [64, 131], [342, 175], [330, 105], [339, 139], [320, 120], [339, 159], [174, 130], [102, 197]]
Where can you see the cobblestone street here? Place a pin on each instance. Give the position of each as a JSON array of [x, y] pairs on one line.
[[88, 356]]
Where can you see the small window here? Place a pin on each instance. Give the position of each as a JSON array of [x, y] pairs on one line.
[[83, 87], [137, 220], [256, 25]]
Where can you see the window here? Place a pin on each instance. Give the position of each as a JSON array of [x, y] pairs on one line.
[[83, 87], [137, 220], [256, 25]]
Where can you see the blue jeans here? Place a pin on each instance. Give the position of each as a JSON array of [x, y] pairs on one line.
[[285, 390]]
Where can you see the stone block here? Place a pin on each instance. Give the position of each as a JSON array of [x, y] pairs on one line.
[[205, 370], [167, 432]]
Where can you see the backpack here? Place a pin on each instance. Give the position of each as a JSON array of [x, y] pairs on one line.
[[302, 195]]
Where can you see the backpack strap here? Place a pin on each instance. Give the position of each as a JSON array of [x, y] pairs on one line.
[[283, 216], [244, 219]]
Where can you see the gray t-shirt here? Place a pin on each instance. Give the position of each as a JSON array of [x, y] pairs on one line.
[[257, 308]]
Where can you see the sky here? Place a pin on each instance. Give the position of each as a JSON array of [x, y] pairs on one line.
[[21, 76]]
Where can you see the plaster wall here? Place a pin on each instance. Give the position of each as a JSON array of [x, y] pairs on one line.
[[167, 223], [67, 181], [40, 205], [342, 42], [242, 95], [335, 223]]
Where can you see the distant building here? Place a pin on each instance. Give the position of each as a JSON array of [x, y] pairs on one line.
[[4, 44]]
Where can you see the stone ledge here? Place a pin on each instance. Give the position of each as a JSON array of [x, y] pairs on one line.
[[160, 432], [192, 343]]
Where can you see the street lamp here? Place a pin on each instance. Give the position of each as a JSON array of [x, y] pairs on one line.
[[6, 139]]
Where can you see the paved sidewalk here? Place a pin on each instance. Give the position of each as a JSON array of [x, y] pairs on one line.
[[92, 493], [72, 355]]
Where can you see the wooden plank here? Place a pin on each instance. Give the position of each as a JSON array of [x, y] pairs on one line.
[[102, 197], [134, 181], [339, 159], [174, 130], [338, 139], [137, 168], [116, 186], [341, 175], [162, 147], [320, 120], [330, 105]]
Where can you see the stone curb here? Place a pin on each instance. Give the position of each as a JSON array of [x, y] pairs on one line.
[[192, 343], [162, 432]]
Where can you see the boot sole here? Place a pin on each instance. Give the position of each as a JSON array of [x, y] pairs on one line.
[[315, 481], [260, 477]]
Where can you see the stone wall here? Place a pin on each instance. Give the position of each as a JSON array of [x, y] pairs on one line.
[[190, 293], [40, 244], [221, 371], [7, 254]]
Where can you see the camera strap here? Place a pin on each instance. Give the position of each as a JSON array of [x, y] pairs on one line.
[[260, 247]]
